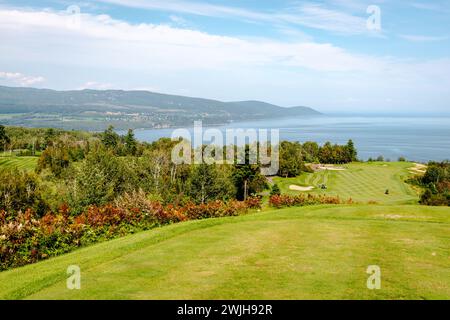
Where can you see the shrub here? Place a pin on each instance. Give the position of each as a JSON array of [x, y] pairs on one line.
[[20, 190], [279, 201], [275, 190], [26, 238], [99, 179], [436, 182], [253, 203], [56, 158]]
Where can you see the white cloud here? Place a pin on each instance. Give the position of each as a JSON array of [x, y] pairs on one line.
[[307, 14], [94, 85], [224, 67], [103, 41], [178, 21], [20, 78], [318, 17], [190, 7]]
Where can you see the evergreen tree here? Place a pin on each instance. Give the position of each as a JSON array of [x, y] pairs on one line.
[[248, 180], [275, 190], [351, 151], [49, 137], [110, 138], [130, 143], [4, 139], [247, 177]]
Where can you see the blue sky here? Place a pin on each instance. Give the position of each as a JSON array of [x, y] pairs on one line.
[[316, 53]]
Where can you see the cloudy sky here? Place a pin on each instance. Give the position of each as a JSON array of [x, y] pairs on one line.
[[327, 54]]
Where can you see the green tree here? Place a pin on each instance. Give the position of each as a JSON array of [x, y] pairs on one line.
[[20, 190], [247, 176], [100, 178], [110, 138], [4, 139], [248, 180], [326, 153], [208, 183], [351, 151], [275, 190], [56, 158], [310, 151], [49, 137], [130, 143], [291, 161]]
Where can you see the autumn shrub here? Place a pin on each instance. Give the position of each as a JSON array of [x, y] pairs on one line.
[[28, 237], [280, 201], [253, 203]]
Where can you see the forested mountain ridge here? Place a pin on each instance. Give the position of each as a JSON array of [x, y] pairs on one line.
[[93, 109]]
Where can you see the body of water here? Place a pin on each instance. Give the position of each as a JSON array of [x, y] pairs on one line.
[[416, 138]]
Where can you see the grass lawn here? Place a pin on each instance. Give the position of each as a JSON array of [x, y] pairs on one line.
[[362, 182], [317, 252], [23, 163]]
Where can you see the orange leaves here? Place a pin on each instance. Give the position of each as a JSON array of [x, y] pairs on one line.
[[26, 238]]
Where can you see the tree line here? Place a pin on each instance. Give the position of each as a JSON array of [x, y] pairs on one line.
[[436, 182], [82, 169]]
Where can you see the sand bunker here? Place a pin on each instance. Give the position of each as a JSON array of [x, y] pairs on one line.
[[330, 168], [299, 188], [418, 168]]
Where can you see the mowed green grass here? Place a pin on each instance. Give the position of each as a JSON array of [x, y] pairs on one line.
[[21, 163], [363, 182], [298, 253]]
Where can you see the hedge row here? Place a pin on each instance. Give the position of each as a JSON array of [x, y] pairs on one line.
[[26, 238], [280, 201]]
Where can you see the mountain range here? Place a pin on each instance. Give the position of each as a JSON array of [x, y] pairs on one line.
[[96, 109]]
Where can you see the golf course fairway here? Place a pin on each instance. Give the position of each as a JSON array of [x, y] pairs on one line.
[[318, 252]]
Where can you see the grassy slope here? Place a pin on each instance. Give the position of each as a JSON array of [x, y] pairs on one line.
[[23, 163], [296, 253], [362, 182]]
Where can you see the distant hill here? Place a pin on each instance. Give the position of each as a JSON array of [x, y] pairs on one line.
[[93, 109]]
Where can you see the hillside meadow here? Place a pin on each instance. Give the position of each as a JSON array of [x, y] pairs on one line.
[[297, 253]]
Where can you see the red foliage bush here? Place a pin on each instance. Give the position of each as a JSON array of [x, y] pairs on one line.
[[279, 201], [26, 238], [253, 203]]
